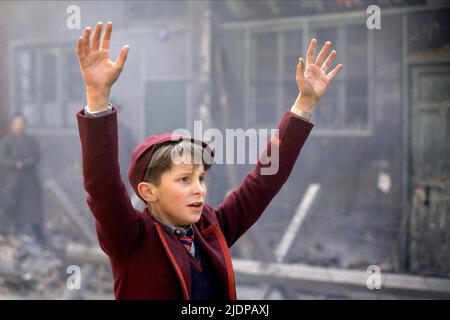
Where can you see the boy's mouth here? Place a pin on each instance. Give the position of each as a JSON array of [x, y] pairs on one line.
[[197, 204]]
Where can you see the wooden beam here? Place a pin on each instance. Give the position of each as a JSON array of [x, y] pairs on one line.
[[331, 280], [296, 222], [71, 211]]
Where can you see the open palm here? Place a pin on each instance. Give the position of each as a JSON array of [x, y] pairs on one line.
[[99, 72], [312, 80]]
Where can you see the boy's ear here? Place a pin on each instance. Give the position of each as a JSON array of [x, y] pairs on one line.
[[147, 191]]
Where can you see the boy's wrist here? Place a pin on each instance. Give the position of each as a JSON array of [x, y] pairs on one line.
[[97, 100], [305, 104], [303, 107]]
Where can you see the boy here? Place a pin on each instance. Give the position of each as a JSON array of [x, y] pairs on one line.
[[178, 247]]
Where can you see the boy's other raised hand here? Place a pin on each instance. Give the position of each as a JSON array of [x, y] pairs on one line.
[[98, 71], [313, 79]]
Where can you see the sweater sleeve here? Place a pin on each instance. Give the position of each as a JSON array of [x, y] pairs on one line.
[[243, 206], [117, 222]]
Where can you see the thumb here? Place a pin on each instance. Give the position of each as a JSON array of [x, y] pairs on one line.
[[120, 61]]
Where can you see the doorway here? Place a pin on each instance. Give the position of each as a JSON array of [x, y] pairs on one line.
[[429, 224]]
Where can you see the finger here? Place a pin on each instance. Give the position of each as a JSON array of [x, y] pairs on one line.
[[107, 36], [329, 60], [120, 61], [96, 36], [300, 69], [310, 52], [85, 40], [322, 53], [80, 48], [334, 72]]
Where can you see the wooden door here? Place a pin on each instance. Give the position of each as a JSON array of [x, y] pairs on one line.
[[430, 169]]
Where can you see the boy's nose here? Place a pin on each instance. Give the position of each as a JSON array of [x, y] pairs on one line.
[[199, 188]]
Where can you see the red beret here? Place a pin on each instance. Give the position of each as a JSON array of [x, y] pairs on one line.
[[141, 155]]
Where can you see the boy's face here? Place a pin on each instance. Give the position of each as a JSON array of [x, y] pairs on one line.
[[180, 196]]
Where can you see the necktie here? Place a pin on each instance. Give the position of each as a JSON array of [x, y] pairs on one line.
[[187, 240]]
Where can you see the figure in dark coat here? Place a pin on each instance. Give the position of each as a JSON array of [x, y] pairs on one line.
[[20, 195]]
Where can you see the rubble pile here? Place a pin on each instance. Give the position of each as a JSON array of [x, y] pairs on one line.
[[26, 265], [33, 270]]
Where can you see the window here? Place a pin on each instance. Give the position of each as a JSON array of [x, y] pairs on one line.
[[46, 101], [356, 79], [35, 85], [329, 114], [272, 88], [24, 84], [73, 86], [293, 48], [47, 85], [264, 77]]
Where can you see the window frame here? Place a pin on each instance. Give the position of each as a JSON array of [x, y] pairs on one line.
[[61, 44], [305, 28], [38, 49]]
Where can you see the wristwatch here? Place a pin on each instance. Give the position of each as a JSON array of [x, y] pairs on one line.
[[301, 113]]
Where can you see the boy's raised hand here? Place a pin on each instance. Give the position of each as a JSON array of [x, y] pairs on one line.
[[98, 71], [313, 80]]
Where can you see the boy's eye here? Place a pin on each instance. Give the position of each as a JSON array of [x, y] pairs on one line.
[[186, 179]]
